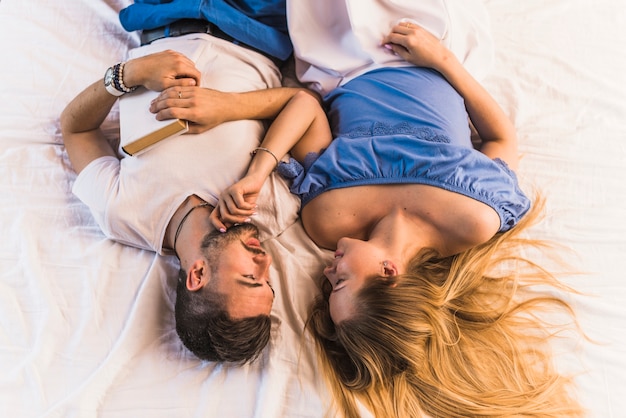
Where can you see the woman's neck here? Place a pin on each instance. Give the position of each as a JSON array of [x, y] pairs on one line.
[[403, 235]]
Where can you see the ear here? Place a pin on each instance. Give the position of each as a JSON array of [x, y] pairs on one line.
[[389, 269], [197, 275]]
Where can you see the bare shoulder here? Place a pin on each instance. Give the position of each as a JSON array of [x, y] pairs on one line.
[[460, 222], [340, 213]]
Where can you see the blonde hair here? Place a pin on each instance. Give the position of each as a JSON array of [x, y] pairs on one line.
[[455, 337]]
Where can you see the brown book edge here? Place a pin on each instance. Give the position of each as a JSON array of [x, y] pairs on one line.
[[152, 138]]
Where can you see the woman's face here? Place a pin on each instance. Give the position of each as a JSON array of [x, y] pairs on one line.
[[355, 262]]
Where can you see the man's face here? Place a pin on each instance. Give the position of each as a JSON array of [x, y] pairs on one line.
[[240, 271]]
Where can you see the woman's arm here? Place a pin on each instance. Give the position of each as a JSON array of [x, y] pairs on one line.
[[206, 108], [81, 119], [420, 47], [300, 128]]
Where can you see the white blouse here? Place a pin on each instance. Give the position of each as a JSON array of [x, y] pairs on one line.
[[336, 40]]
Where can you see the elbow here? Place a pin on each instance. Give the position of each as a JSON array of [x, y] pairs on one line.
[[310, 94], [306, 101], [68, 122], [64, 123]]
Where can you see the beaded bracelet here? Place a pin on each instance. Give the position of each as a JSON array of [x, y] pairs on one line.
[[122, 85], [118, 78]]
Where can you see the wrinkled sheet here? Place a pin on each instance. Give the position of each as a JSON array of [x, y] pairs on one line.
[[86, 326]]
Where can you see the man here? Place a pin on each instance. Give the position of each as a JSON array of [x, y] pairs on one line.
[[161, 200]]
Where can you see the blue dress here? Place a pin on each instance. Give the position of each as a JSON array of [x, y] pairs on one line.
[[406, 126]]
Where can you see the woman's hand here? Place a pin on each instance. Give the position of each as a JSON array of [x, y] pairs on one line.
[[237, 203], [417, 46]]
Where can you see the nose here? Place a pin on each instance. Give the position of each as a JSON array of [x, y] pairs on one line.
[[263, 261], [342, 242], [331, 269]]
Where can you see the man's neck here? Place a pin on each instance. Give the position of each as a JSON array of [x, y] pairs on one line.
[[187, 227]]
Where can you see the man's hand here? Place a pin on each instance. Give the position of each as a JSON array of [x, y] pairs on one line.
[[161, 70], [202, 107]]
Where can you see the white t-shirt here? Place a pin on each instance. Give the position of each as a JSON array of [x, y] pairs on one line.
[[337, 40], [133, 199]]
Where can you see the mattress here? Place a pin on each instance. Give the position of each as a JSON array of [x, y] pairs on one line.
[[86, 326]]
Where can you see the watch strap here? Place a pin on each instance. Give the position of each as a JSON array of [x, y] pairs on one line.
[[109, 82]]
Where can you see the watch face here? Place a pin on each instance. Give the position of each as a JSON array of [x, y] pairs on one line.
[[108, 77]]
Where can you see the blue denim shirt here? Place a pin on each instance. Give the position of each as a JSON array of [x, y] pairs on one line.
[[258, 23]]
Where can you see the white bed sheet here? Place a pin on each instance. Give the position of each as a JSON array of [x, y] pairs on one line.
[[85, 323]]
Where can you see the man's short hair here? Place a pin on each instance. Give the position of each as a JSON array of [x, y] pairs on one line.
[[207, 330]]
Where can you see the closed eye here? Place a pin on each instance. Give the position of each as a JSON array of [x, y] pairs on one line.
[[336, 286], [251, 277]]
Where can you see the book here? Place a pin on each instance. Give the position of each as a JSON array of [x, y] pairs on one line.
[[139, 128]]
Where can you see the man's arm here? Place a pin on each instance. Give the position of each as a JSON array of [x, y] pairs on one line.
[[80, 126], [206, 108], [83, 116]]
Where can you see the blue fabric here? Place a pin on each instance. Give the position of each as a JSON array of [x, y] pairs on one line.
[[407, 126], [258, 23]]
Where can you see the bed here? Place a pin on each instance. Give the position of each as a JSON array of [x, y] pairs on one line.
[[85, 323]]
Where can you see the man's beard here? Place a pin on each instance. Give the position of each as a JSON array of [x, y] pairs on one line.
[[215, 241]]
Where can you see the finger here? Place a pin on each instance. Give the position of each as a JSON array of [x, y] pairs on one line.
[[177, 92], [232, 215], [181, 82], [164, 95], [394, 38], [390, 47], [215, 220], [183, 67], [241, 203], [235, 210], [399, 50], [170, 99], [403, 28], [190, 71], [227, 217], [195, 128], [182, 91], [165, 114]]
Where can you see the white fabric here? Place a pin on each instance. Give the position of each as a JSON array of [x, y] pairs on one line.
[[86, 325], [336, 40]]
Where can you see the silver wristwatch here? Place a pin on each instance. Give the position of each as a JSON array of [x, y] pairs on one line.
[[111, 82]]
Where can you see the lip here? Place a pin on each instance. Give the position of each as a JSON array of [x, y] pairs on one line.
[[338, 254]]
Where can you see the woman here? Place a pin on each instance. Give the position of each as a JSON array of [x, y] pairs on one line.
[[418, 314]]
